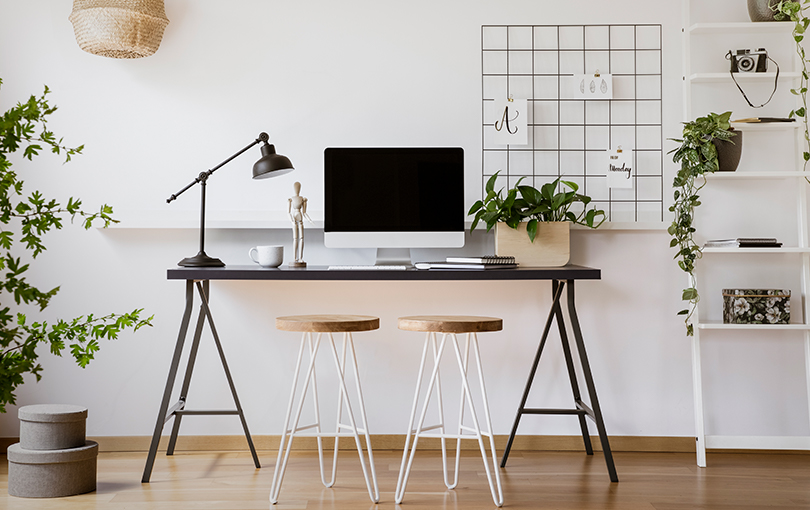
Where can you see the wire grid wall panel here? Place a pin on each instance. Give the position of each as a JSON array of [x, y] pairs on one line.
[[568, 136]]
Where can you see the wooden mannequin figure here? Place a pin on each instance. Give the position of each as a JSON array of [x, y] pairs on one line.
[[297, 209]]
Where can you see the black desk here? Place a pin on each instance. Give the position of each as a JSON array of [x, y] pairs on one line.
[[559, 277]]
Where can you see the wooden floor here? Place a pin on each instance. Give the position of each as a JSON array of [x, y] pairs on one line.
[[532, 480]]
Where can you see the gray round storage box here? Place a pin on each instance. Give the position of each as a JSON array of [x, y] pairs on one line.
[[52, 426], [52, 474]]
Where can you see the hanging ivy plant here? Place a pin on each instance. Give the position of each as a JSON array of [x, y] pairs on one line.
[[697, 156], [794, 11]]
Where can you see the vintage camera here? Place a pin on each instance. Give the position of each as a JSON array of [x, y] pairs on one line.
[[749, 61]]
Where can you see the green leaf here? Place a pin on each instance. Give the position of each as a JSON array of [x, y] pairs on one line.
[[490, 186], [531, 229]]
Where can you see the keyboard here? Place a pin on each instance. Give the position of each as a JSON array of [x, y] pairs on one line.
[[372, 268]]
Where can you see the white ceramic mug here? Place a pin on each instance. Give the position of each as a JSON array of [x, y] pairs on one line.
[[267, 256]]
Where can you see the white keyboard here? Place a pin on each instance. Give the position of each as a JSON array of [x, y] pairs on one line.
[[373, 268]]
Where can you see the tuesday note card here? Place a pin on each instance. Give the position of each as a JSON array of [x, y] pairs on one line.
[[619, 168]]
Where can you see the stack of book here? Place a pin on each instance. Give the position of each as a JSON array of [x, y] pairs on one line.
[[744, 242], [485, 262]]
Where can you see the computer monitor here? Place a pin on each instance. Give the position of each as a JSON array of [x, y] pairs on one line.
[[394, 199]]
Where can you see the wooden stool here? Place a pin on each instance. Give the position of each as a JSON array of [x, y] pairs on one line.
[[449, 326], [328, 324]]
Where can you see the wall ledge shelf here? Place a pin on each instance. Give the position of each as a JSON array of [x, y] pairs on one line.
[[759, 27], [753, 327], [276, 220]]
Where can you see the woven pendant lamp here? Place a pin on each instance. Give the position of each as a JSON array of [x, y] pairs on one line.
[[119, 28]]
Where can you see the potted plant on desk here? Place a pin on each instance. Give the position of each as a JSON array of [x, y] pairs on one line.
[[534, 225]]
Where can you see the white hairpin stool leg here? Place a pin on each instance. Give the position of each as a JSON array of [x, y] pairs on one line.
[[373, 492], [436, 360], [363, 418], [284, 453], [494, 486], [402, 477], [405, 468]]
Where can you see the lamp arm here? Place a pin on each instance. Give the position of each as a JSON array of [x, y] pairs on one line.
[[263, 137]]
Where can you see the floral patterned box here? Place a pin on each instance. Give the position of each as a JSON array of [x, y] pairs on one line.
[[756, 306]]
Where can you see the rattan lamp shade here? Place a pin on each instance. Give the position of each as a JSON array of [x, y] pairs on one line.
[[119, 28]]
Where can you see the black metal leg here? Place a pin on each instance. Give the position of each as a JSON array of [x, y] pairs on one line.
[[192, 358], [167, 393], [207, 310], [586, 370], [572, 376], [556, 293]]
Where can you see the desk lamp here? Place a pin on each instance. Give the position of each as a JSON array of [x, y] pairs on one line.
[[270, 165]]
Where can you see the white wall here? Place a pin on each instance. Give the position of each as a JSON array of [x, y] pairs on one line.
[[315, 74]]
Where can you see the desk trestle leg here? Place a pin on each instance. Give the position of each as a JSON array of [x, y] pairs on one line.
[[581, 409], [178, 410]]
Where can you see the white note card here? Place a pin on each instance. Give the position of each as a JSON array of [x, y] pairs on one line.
[[511, 122], [619, 168], [592, 86]]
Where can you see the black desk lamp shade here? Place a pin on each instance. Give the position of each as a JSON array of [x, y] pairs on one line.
[[270, 165]]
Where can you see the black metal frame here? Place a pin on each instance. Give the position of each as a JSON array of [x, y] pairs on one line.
[[541, 175], [178, 410], [200, 277], [582, 410]]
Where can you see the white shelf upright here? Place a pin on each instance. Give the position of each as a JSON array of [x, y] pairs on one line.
[[701, 327]]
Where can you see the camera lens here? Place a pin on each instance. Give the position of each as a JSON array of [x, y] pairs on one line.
[[746, 64]]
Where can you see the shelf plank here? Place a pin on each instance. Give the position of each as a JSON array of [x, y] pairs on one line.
[[769, 251], [766, 126], [752, 327], [724, 28], [791, 174], [741, 77]]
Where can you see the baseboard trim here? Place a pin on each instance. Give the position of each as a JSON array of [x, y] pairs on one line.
[[388, 442], [661, 444]]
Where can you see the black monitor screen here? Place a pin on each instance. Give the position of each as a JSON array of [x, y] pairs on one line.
[[394, 189]]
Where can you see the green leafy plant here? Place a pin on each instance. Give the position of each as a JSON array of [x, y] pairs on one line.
[[697, 156], [794, 11], [546, 204], [24, 219]]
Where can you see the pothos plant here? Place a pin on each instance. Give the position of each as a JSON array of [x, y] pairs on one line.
[[24, 218], [794, 11], [546, 204], [697, 156]]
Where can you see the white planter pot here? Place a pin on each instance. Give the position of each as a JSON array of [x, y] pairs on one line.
[[551, 246]]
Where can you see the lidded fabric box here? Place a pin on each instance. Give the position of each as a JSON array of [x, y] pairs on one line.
[[52, 473], [52, 426], [756, 306], [52, 459]]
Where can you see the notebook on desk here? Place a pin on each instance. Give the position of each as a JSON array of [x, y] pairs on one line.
[[462, 265]]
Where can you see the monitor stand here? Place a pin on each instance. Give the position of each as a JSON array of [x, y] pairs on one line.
[[393, 257]]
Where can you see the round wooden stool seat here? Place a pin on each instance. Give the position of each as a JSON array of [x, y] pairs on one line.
[[327, 323], [450, 323]]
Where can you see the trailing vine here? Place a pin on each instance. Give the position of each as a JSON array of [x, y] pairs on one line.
[[794, 11], [697, 156]]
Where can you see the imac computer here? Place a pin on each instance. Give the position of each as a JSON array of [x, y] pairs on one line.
[[394, 199]]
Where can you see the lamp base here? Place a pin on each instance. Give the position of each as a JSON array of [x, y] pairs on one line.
[[201, 260]]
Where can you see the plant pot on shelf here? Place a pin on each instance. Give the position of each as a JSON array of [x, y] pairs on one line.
[[551, 246], [760, 10], [729, 152]]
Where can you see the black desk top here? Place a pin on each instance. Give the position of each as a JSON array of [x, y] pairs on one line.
[[255, 272]]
